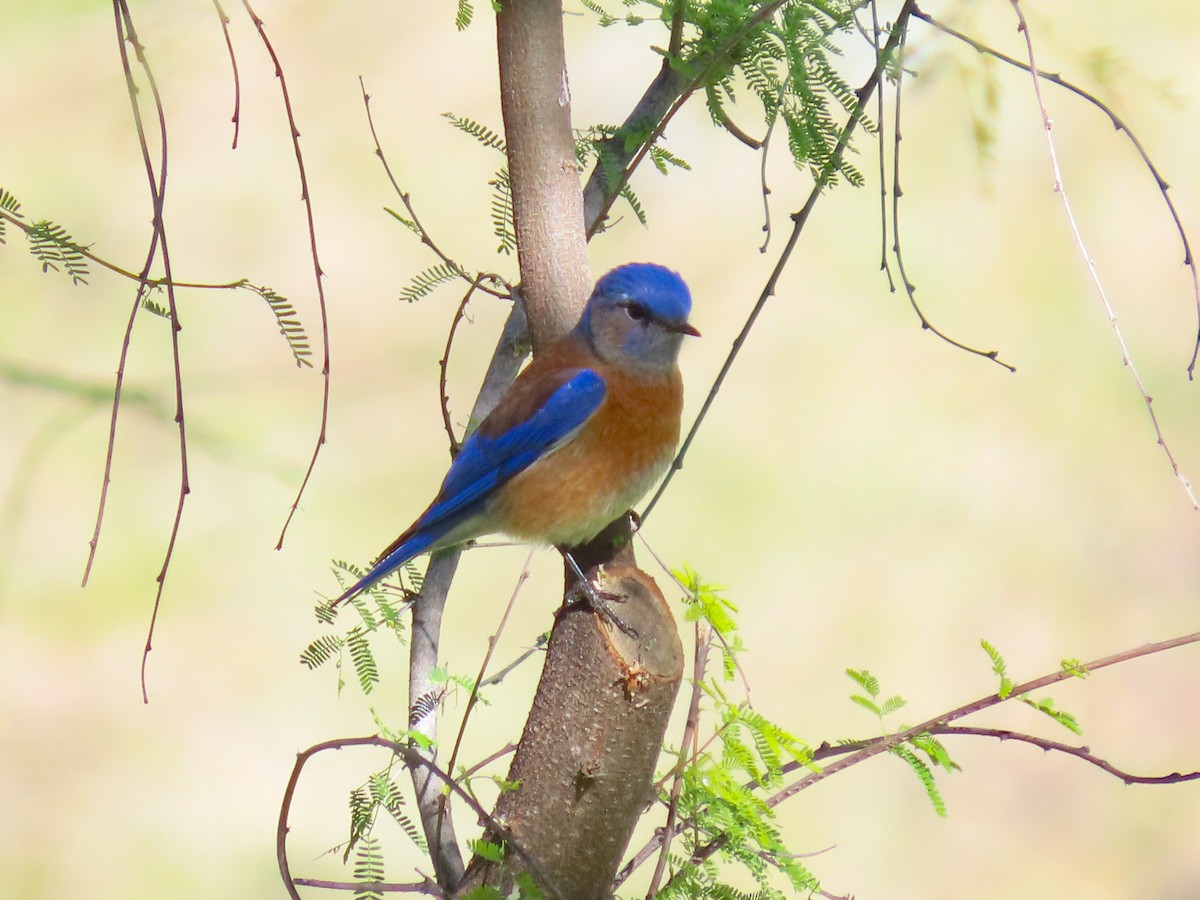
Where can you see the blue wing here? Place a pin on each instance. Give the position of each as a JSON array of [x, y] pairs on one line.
[[489, 457], [486, 461]]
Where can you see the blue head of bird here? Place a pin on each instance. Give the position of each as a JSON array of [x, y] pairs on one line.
[[637, 317]]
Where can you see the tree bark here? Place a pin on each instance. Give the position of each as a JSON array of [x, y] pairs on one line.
[[535, 99], [584, 768]]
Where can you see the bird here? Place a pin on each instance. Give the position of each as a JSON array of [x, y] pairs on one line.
[[585, 430]]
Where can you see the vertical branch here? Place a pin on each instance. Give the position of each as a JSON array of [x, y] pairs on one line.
[[535, 99], [432, 807]]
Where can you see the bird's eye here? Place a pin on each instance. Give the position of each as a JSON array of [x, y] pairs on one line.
[[636, 312]]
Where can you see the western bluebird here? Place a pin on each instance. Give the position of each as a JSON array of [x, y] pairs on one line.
[[585, 430]]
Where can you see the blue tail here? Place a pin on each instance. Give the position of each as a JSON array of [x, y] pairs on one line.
[[406, 547]]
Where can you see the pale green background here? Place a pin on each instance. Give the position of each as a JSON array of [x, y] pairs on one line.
[[870, 496]]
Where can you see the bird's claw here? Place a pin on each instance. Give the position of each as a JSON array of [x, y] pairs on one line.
[[601, 603]]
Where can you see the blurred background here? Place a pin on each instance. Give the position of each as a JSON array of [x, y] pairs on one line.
[[870, 496]]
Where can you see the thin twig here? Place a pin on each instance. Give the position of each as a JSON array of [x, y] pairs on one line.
[[1083, 753], [318, 273], [469, 772], [910, 289], [1126, 358], [236, 118], [765, 188], [883, 226], [444, 365], [538, 647], [157, 183], [752, 142], [142, 279], [422, 233], [691, 724]]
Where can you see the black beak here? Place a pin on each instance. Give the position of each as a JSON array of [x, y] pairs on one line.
[[682, 328]]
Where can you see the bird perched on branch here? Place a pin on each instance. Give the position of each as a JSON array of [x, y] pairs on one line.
[[585, 430]]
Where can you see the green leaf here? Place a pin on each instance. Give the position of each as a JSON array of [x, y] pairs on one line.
[[463, 15], [486, 136], [368, 868], [1000, 668], [866, 704], [1075, 667], [925, 774], [54, 248], [865, 680], [321, 650], [503, 226], [403, 220], [1062, 717], [487, 850], [288, 322], [363, 659], [425, 282]]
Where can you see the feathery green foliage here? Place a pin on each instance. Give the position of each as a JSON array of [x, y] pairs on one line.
[[1000, 667], [368, 868], [377, 612], [925, 774], [926, 744], [487, 850], [595, 146], [57, 250], [289, 324], [1061, 716], [503, 225], [721, 794], [1044, 705], [379, 792], [363, 659], [427, 281], [784, 59], [10, 205], [486, 136], [870, 703], [155, 308], [51, 245], [463, 15]]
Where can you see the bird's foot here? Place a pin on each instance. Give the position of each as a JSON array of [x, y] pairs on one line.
[[601, 603]]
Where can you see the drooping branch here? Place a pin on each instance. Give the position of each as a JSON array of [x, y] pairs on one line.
[[1120, 125], [157, 182], [318, 273]]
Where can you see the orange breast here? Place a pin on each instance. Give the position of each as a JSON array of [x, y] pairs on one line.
[[617, 456]]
